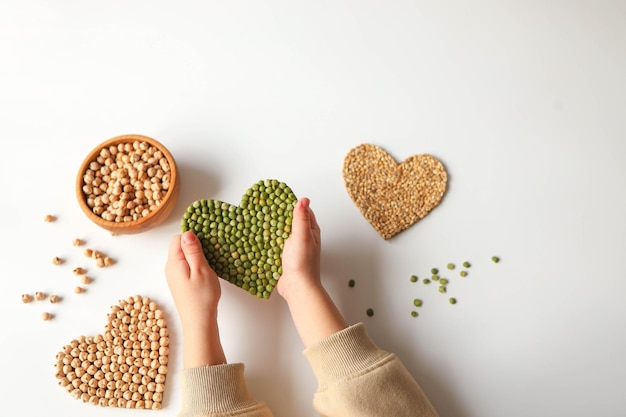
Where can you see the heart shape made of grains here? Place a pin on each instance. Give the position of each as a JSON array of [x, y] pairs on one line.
[[393, 196], [244, 244], [124, 367]]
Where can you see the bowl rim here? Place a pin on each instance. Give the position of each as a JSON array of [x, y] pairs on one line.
[[91, 156]]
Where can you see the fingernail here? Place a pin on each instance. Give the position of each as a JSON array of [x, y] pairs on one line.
[[189, 237], [305, 203]]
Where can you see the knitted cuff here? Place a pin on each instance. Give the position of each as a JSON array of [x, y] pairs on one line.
[[344, 353], [214, 389]]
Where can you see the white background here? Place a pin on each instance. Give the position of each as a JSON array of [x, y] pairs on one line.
[[522, 101]]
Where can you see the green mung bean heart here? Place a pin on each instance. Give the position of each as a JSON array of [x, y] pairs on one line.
[[244, 244]]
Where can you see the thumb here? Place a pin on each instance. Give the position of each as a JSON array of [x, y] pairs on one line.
[[192, 249], [301, 220]]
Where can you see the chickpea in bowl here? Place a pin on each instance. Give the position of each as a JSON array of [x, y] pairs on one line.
[[128, 184]]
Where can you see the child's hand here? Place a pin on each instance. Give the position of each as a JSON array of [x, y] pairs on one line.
[[301, 254], [194, 285], [196, 291], [314, 313]]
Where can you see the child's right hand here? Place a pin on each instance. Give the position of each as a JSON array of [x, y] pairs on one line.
[[196, 291], [301, 254], [194, 285]]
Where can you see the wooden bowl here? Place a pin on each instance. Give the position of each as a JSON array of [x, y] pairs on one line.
[[142, 223]]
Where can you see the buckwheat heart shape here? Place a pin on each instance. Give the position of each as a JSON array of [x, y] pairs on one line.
[[124, 367], [244, 244], [393, 196]]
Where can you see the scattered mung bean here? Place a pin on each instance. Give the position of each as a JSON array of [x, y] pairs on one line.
[[370, 312], [495, 259], [463, 273], [450, 266]]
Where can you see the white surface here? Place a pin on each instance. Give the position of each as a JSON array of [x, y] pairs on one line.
[[523, 102]]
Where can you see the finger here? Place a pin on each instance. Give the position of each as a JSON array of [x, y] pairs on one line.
[[315, 228], [175, 252], [193, 253], [176, 258], [301, 219]]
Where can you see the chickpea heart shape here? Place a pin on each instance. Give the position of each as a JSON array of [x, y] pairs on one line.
[[393, 196], [244, 244], [126, 366]]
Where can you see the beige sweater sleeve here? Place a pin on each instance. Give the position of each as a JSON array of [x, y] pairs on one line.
[[357, 378], [218, 390]]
